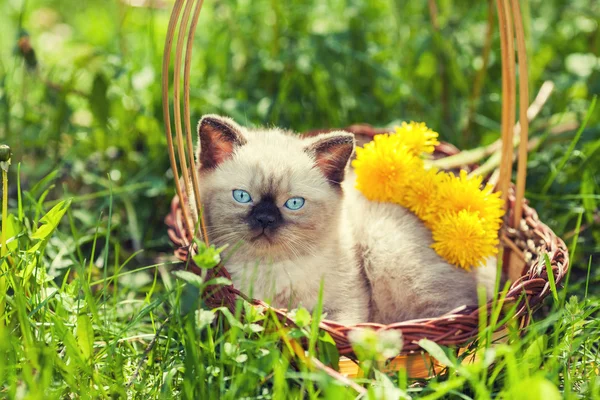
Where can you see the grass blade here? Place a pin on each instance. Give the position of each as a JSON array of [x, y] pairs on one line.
[[551, 278]]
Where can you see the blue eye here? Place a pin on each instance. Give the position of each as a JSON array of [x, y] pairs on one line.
[[241, 196], [295, 203]]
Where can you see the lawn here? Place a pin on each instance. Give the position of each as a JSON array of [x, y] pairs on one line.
[[89, 307]]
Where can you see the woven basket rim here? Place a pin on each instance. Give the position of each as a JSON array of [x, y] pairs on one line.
[[457, 327]]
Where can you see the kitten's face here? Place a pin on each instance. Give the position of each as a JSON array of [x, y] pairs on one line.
[[272, 194]]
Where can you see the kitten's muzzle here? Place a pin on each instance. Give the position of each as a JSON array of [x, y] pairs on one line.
[[265, 215]]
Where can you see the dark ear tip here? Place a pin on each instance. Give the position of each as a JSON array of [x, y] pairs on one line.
[[340, 138], [214, 120], [343, 136], [350, 139], [347, 138], [211, 123]]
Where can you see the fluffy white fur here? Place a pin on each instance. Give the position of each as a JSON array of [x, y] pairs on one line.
[[408, 279], [312, 245], [374, 259]]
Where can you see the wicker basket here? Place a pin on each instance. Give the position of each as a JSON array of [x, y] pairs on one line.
[[524, 238], [529, 285]]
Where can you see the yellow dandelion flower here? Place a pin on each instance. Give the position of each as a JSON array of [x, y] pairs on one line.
[[417, 137], [420, 196], [457, 193], [384, 167], [464, 217], [462, 240]]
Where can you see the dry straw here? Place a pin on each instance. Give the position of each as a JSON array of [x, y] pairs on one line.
[[525, 240]]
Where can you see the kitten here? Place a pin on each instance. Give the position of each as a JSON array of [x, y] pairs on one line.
[[277, 200], [292, 220]]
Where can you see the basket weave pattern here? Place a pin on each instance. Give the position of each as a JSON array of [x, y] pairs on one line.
[[528, 242]]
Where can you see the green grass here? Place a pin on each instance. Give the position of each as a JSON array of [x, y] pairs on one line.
[[91, 307]]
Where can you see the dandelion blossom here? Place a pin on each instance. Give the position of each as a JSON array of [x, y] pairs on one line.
[[457, 193], [384, 167], [464, 217], [417, 137], [462, 240], [421, 195]]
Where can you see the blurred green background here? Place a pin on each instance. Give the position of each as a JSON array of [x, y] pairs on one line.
[[80, 91]]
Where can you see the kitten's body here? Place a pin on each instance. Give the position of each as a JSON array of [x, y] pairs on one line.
[[408, 279], [356, 247], [288, 283]]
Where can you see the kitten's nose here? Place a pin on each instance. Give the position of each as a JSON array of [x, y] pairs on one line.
[[265, 219], [265, 214]]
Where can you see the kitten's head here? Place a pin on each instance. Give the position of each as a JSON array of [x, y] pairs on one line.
[[277, 195]]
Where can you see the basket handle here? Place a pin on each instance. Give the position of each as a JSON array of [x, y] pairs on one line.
[[510, 23]]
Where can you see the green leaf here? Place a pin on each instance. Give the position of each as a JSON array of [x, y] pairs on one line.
[[242, 358], [51, 220], [204, 318], [49, 223], [551, 277], [233, 321], [208, 256], [328, 351], [99, 103], [13, 228], [254, 328], [384, 388], [218, 281], [253, 313], [70, 342], [190, 277], [535, 388], [302, 317], [534, 354], [297, 333], [85, 336], [436, 352]]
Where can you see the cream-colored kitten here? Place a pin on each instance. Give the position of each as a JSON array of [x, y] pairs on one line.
[[279, 202]]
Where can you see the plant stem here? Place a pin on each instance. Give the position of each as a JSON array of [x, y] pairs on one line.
[[494, 161], [4, 209], [4, 164]]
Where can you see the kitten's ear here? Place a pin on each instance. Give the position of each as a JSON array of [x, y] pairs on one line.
[[331, 152], [218, 138]]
